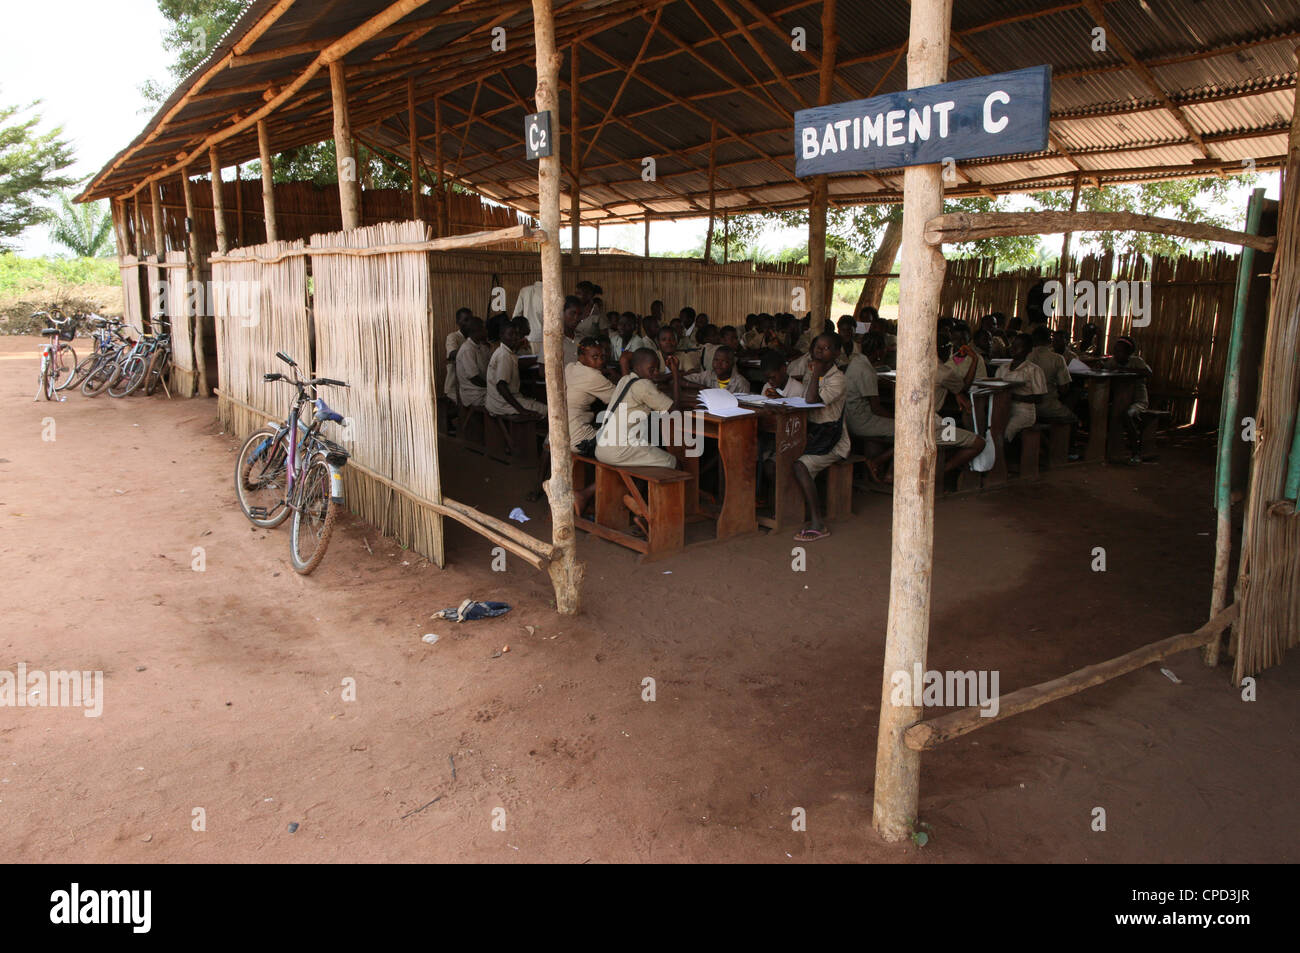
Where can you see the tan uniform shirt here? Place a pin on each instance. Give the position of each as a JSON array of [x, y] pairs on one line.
[[624, 439], [1135, 363], [736, 384], [1056, 375], [471, 361], [947, 380], [504, 366], [861, 384], [583, 387], [449, 384], [798, 368], [833, 392], [1028, 378]]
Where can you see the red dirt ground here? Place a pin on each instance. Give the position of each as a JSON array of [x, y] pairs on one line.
[[222, 688]]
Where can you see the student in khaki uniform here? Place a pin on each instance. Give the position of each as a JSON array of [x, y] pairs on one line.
[[571, 316], [626, 337], [948, 380], [471, 365], [585, 386], [688, 361], [798, 367], [1051, 409], [503, 398], [828, 438], [1125, 359], [710, 341], [723, 373], [779, 382], [1030, 387], [623, 439], [454, 340], [960, 335], [863, 412]]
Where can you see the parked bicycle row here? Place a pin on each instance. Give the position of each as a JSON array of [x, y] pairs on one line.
[[118, 364]]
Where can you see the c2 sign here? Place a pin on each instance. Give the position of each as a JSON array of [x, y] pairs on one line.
[[997, 115]]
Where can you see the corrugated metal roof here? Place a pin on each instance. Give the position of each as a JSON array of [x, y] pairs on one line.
[[1229, 68]]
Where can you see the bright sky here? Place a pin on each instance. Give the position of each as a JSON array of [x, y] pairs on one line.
[[86, 61]]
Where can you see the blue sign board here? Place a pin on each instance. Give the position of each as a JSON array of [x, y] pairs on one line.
[[971, 118]]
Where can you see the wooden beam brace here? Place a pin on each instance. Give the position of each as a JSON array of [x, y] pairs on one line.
[[958, 227]]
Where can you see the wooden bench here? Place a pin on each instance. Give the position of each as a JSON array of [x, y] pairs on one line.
[[839, 486], [473, 427], [1058, 442], [1151, 421], [512, 439], [1031, 445], [660, 511]]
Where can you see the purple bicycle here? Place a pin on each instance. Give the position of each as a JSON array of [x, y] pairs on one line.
[[293, 469]]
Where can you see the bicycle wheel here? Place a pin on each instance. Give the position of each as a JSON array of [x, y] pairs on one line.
[[82, 371], [159, 366], [130, 379], [261, 477], [65, 366], [313, 520], [47, 380], [98, 380]]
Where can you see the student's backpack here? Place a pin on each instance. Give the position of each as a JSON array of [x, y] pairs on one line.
[[988, 456]]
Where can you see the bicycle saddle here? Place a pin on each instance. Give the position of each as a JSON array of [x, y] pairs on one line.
[[323, 412]]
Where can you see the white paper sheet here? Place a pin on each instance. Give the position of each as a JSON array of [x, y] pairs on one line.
[[722, 403], [1077, 366]]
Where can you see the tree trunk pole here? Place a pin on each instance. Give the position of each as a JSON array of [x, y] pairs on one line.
[[566, 571], [873, 289], [218, 203], [898, 768], [196, 276], [442, 211], [268, 182], [713, 145], [1065, 242], [140, 243], [155, 201], [726, 238], [575, 159], [120, 231], [817, 302], [647, 236], [415, 149], [349, 184], [239, 206]]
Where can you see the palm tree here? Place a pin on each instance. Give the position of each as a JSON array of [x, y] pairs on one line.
[[84, 230]]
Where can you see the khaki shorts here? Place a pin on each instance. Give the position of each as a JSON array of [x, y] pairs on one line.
[[816, 463], [960, 438], [1137, 409]]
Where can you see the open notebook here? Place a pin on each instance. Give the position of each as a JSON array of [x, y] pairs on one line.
[[722, 403]]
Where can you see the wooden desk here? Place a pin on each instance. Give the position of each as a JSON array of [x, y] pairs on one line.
[[1109, 394], [999, 392], [737, 439], [789, 427]]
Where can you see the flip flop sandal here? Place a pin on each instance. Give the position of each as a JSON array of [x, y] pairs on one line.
[[808, 535]]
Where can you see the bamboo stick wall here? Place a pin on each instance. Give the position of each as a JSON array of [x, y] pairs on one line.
[[132, 305], [260, 308], [179, 305], [373, 331], [1268, 585], [1191, 313]]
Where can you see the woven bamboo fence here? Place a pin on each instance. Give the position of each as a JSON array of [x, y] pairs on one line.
[[261, 308], [132, 303], [1190, 310], [179, 305], [373, 330], [1268, 585]]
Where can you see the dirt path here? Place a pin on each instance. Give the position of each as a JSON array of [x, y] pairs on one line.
[[223, 688]]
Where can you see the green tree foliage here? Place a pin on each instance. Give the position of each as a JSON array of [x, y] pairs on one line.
[[195, 27], [31, 163], [85, 230]]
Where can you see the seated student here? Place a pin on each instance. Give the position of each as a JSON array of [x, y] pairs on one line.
[[626, 337], [502, 397], [650, 329], [804, 342], [493, 324], [722, 374], [1061, 345], [454, 340], [947, 380], [798, 366], [1030, 387], [864, 414], [871, 318], [1125, 359], [779, 382], [472, 363], [523, 329], [989, 326], [689, 361], [623, 439], [710, 341], [846, 328], [586, 386], [728, 336], [692, 325], [752, 339], [828, 438], [1089, 344], [959, 335], [1051, 409], [1037, 301]]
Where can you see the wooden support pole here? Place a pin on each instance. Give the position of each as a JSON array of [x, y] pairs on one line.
[[268, 182], [218, 202], [817, 302], [726, 238], [349, 183], [140, 244], [240, 240], [155, 203], [930, 734], [414, 148], [713, 146], [566, 572], [196, 276], [647, 236], [443, 225], [120, 231], [968, 226], [1065, 242], [575, 160], [898, 767]]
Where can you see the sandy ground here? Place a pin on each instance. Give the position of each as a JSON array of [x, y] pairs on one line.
[[223, 688]]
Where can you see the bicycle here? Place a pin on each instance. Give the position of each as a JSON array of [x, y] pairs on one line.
[[58, 359], [108, 367], [293, 469], [101, 340], [136, 366]]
